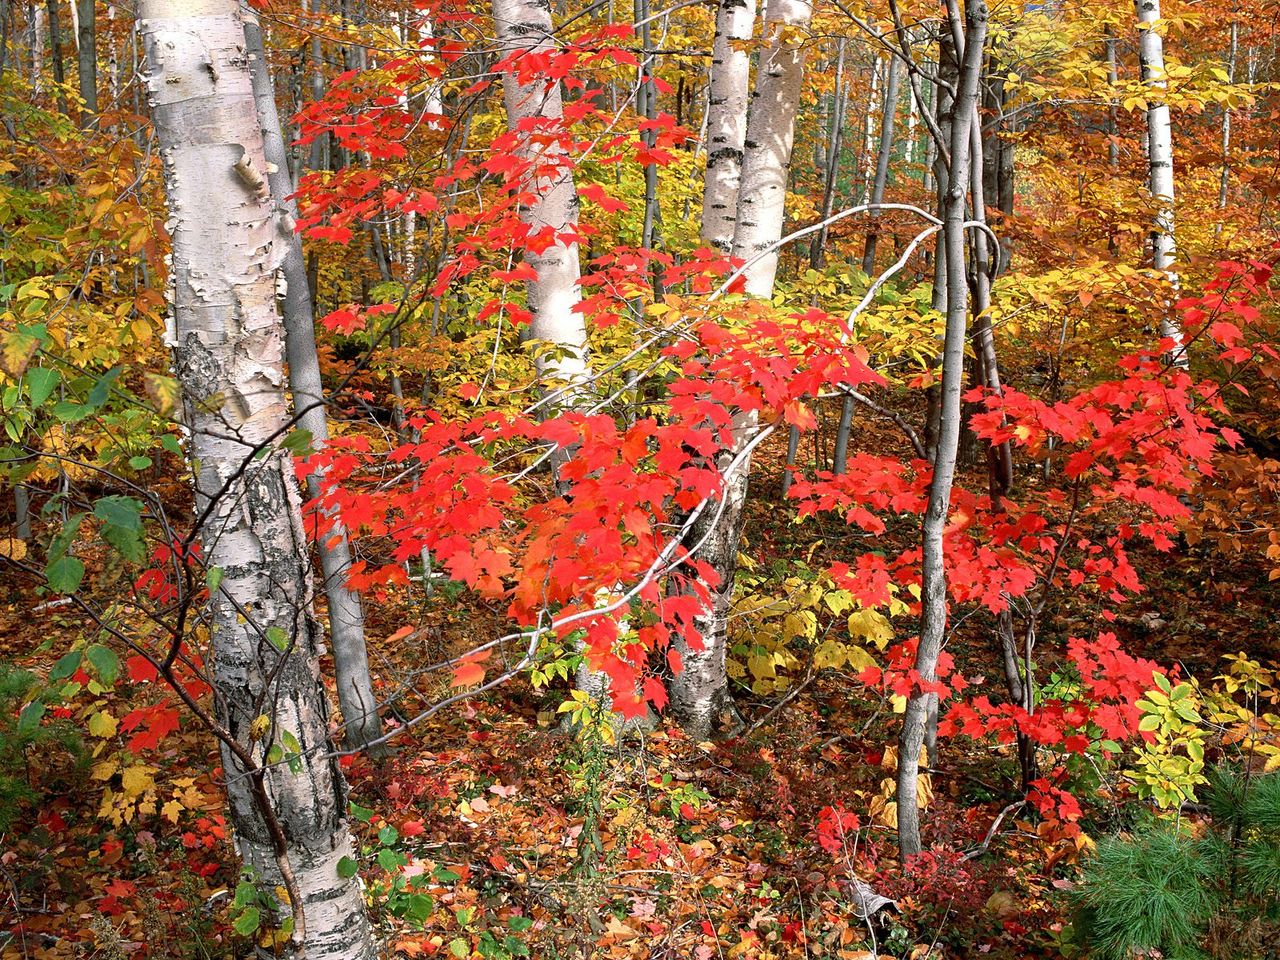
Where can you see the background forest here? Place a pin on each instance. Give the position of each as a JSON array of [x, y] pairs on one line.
[[665, 480]]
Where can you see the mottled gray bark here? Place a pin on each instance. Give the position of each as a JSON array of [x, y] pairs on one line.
[[883, 155], [87, 58], [227, 339], [933, 600], [361, 724]]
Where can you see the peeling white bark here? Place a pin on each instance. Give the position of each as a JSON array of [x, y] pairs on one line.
[[699, 694], [229, 356], [534, 110], [1160, 164], [770, 134], [726, 119]]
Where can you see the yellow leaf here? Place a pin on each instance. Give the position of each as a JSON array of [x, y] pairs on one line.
[[137, 779], [102, 724], [13, 548], [259, 727], [871, 625], [163, 391], [104, 770]]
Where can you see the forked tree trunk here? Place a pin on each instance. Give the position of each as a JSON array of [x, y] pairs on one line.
[[1160, 167], [228, 353], [933, 600], [730, 91], [699, 694], [361, 724]]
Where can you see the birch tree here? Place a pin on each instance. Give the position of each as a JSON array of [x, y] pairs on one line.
[[699, 694], [730, 89], [228, 353], [1160, 165]]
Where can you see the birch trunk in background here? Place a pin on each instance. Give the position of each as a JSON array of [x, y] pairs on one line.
[[1160, 166], [1224, 180], [699, 694], [933, 600], [524, 26], [227, 340], [361, 724], [730, 91]]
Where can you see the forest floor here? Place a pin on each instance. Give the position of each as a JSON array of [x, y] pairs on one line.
[[538, 845]]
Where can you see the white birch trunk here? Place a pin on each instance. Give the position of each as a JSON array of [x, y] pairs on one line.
[[1160, 165], [770, 135], [700, 692], [524, 26], [726, 119], [229, 356]]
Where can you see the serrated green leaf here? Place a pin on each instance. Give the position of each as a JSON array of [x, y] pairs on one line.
[[65, 667], [29, 718], [40, 384], [64, 575], [104, 661], [248, 922]]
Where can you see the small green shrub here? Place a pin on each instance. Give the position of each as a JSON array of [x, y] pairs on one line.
[[26, 738], [1161, 892]]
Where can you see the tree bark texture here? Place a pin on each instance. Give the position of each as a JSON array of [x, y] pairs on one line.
[[356, 698], [730, 91], [228, 352], [933, 613], [1160, 165]]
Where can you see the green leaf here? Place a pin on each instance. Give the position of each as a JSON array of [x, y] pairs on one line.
[[298, 442], [171, 444], [347, 868], [363, 814], [248, 922], [68, 411], [445, 876], [64, 574], [29, 719], [1161, 681], [139, 463], [65, 667], [420, 906], [520, 924], [388, 836], [123, 512], [40, 384], [58, 548], [213, 579], [102, 388], [1149, 723], [105, 662], [460, 948], [391, 860], [127, 543], [278, 638]]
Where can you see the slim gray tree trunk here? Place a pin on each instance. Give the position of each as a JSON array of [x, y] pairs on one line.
[[22, 512], [818, 248], [933, 600], [700, 693], [726, 119], [227, 339], [1160, 167], [1224, 180], [55, 50], [361, 723], [87, 59], [883, 155]]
